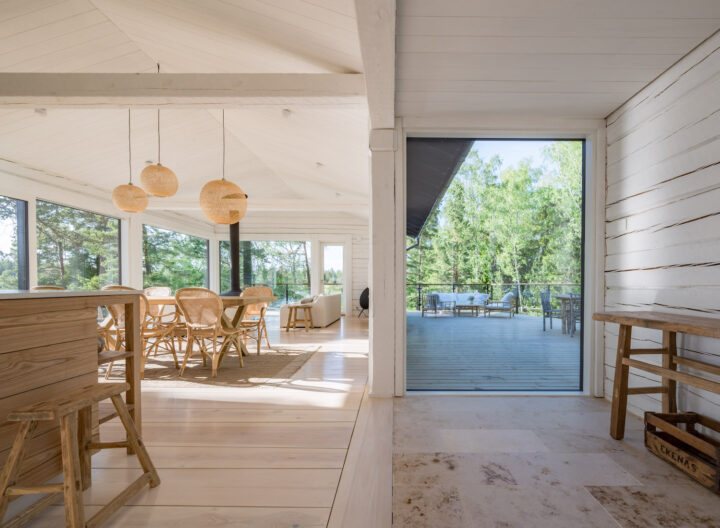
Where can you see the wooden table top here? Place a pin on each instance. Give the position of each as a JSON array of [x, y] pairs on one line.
[[686, 324], [230, 300]]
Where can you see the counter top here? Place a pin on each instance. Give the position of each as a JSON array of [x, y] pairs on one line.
[[30, 294]]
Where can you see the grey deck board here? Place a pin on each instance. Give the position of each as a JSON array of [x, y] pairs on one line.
[[490, 354]]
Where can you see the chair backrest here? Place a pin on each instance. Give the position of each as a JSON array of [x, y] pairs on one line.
[[257, 291], [509, 297], [200, 307], [431, 299], [575, 303], [365, 299], [44, 288], [158, 291], [545, 301], [157, 310], [117, 311]]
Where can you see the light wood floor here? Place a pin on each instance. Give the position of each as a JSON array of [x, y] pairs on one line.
[[490, 354], [272, 455]]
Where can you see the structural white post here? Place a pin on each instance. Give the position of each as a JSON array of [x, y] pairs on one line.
[[32, 242], [316, 266], [132, 252], [214, 264], [382, 262]]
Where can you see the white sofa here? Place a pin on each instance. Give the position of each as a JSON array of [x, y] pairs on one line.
[[448, 301], [325, 311]]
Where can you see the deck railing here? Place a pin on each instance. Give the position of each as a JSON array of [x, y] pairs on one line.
[[285, 291], [527, 294]]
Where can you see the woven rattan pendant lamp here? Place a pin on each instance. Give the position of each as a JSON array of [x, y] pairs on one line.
[[129, 198], [222, 201], [155, 179]]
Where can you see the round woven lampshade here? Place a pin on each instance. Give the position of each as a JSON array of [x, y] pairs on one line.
[[221, 203], [158, 181], [130, 198]]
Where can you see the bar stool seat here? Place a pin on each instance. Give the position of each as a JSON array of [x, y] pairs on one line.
[[293, 316], [76, 446]]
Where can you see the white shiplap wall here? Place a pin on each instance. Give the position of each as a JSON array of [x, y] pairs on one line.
[[663, 214], [325, 227]]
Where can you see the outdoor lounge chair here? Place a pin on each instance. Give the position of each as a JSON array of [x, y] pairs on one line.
[[430, 304], [547, 309], [506, 304]]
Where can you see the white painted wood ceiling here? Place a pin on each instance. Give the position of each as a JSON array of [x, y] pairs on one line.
[[560, 58], [306, 152]]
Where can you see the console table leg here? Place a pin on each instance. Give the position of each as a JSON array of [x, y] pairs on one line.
[[669, 398], [620, 384]]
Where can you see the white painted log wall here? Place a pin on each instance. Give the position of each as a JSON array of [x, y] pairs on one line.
[[330, 225], [663, 214]]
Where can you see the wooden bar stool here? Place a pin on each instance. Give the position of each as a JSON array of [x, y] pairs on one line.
[[76, 448], [293, 316]]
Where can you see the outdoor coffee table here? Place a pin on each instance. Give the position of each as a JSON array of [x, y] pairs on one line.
[[474, 309]]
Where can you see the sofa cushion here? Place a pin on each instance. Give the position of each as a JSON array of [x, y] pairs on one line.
[[508, 297], [446, 297]]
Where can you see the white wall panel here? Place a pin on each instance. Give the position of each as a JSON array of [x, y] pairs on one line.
[[663, 215]]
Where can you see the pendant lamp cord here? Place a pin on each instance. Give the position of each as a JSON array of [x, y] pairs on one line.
[[223, 125], [158, 122], [129, 149]]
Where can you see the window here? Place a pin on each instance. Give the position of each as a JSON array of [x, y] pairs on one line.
[[283, 265], [76, 249], [174, 259], [13, 244]]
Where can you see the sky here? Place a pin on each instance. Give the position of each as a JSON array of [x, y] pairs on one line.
[[511, 152], [333, 257]]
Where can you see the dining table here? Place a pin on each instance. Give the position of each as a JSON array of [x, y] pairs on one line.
[[566, 310], [238, 302]]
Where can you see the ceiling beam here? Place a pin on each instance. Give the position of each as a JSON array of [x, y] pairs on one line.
[[376, 30], [256, 205], [181, 89]]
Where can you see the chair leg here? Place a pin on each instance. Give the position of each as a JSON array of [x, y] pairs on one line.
[[188, 352], [13, 462], [267, 340], [135, 440], [174, 355], [215, 358], [72, 482], [287, 324]]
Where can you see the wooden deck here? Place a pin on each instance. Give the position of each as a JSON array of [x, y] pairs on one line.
[[490, 354]]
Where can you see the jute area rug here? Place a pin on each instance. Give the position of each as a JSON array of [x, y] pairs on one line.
[[273, 365]]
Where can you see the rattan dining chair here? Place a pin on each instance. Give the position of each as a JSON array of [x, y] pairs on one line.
[[254, 320], [153, 330], [168, 314], [203, 311], [48, 288]]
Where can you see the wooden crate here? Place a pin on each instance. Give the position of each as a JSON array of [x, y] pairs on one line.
[[686, 448]]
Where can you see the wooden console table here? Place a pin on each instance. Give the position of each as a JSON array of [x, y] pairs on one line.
[[670, 325], [48, 348]]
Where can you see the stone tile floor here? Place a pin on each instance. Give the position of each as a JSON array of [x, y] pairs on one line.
[[533, 462]]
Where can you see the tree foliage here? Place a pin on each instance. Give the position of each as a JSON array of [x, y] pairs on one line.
[[76, 249], [283, 265], [174, 259], [509, 227]]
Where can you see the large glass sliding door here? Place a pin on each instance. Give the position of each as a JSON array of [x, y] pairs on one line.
[[494, 265]]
